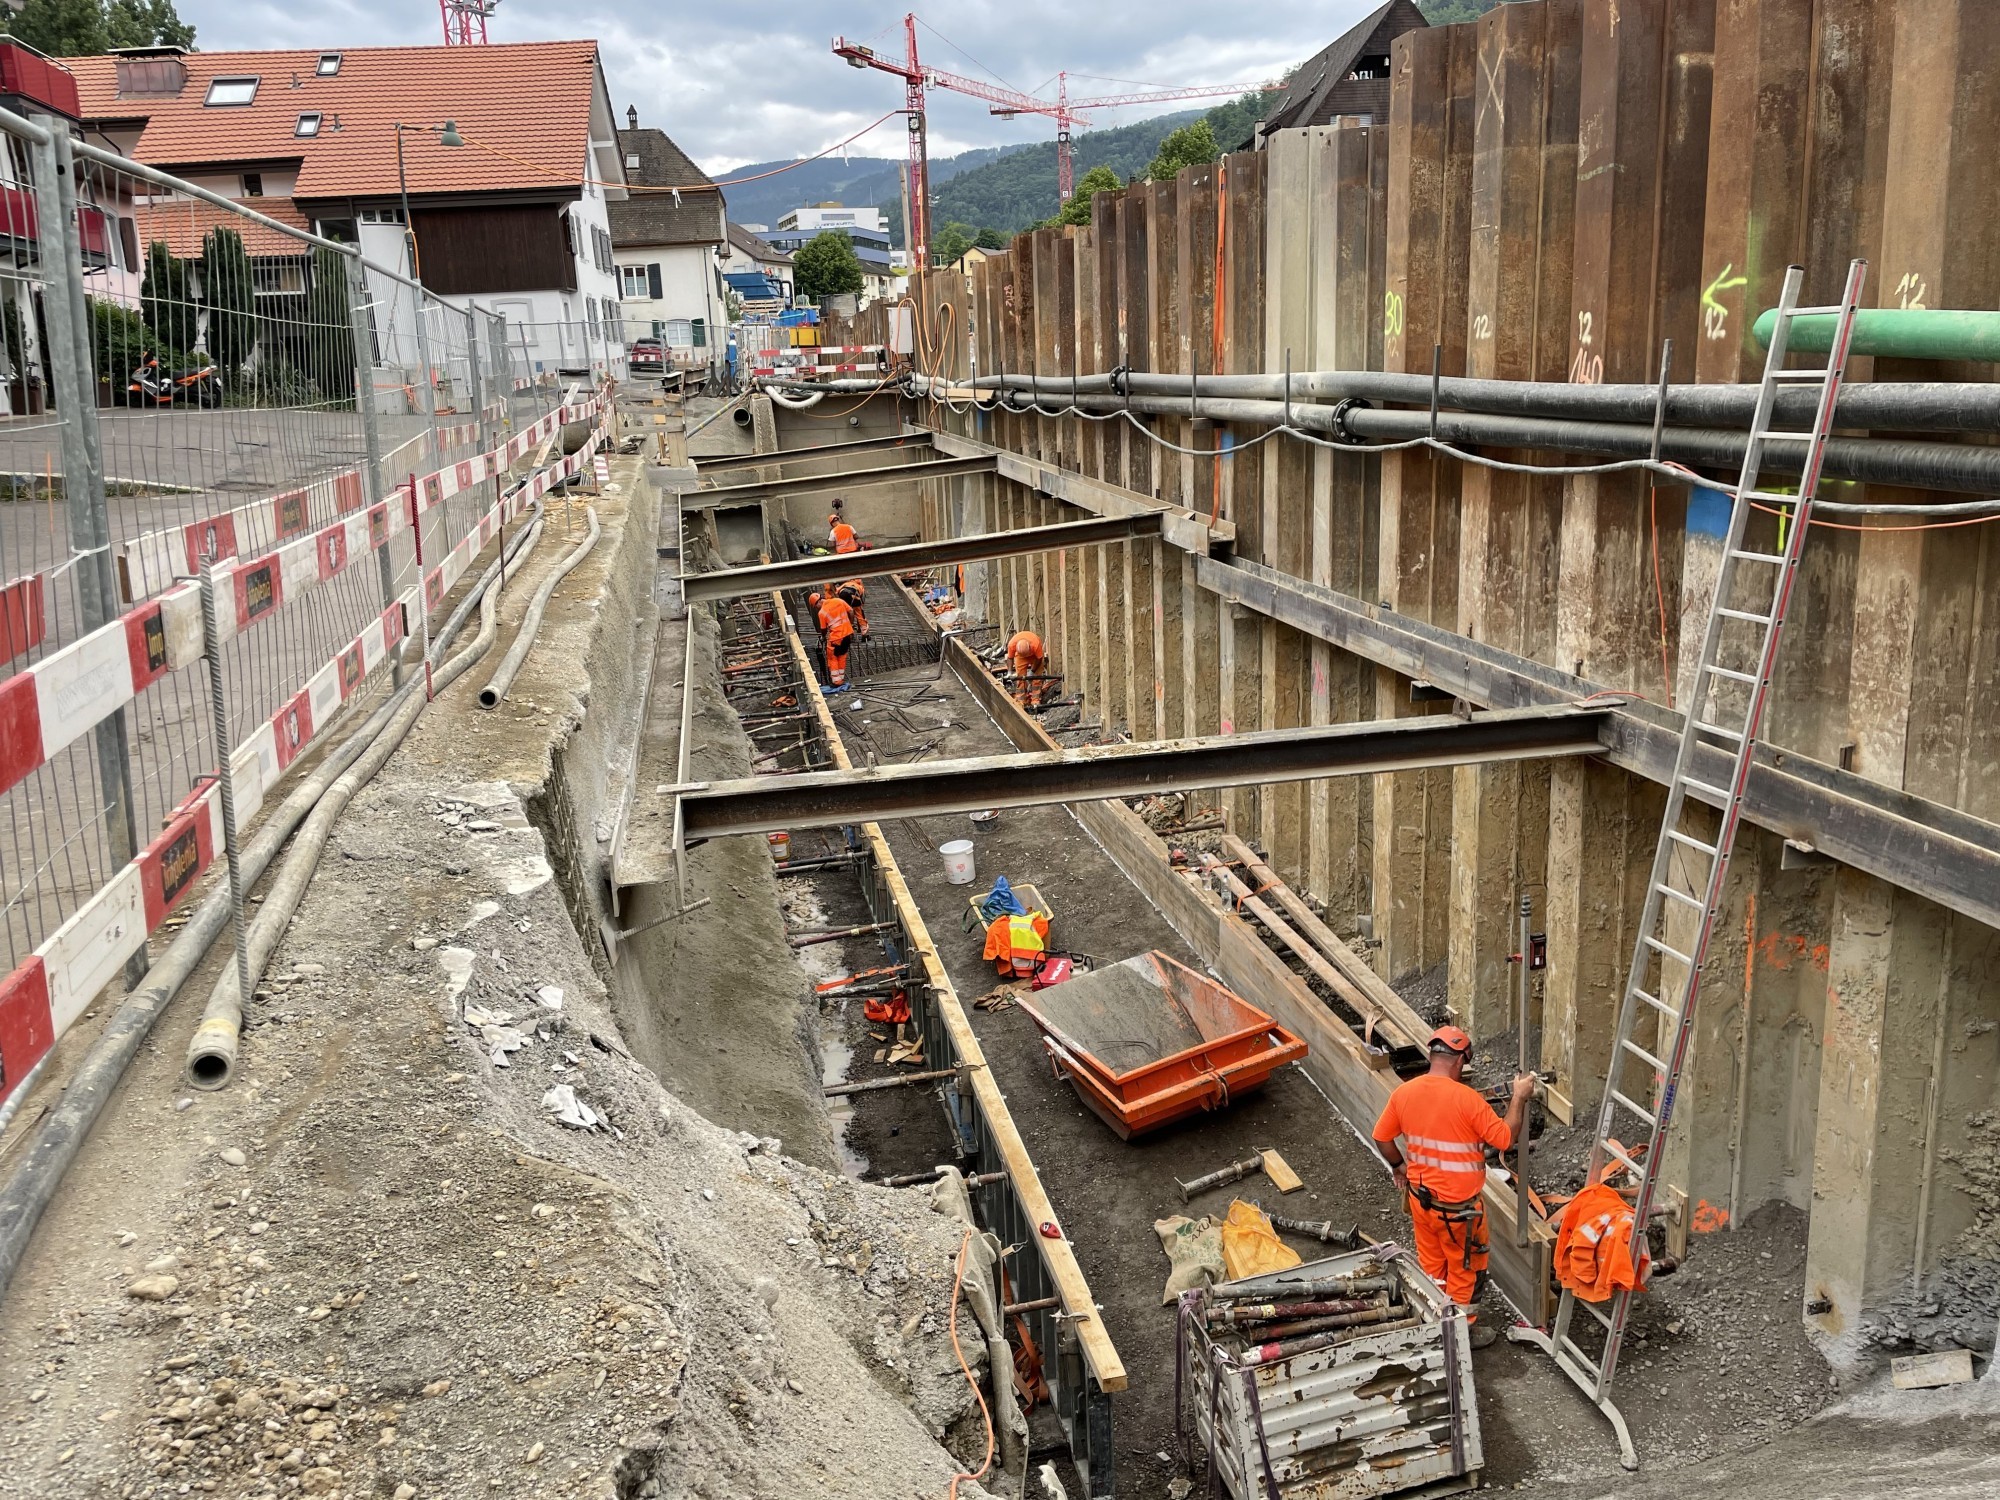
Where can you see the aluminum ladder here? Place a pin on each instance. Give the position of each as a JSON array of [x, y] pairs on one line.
[[1732, 683]]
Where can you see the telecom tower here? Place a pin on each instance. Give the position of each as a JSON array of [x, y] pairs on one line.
[[465, 21]]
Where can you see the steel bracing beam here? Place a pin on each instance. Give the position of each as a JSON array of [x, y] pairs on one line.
[[823, 799], [805, 484], [912, 442], [731, 583]]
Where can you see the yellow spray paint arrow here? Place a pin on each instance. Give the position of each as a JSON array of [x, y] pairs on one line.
[[1723, 282]]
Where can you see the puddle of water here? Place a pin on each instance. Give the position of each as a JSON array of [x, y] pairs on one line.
[[838, 1058]]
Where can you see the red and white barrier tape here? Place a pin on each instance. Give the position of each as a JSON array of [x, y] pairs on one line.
[[44, 996]]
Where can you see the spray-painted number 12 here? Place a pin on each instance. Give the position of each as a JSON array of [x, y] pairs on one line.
[[1911, 291], [1588, 366]]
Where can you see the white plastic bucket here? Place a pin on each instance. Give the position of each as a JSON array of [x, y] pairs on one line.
[[958, 868]]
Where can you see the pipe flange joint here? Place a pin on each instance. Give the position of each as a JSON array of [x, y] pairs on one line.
[[1339, 412]]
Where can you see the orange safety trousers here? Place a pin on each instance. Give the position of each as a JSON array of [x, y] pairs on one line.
[[1452, 1251]]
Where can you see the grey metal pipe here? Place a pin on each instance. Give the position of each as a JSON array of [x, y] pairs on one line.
[[531, 622], [1962, 468], [1932, 406], [39, 1176], [211, 1057]]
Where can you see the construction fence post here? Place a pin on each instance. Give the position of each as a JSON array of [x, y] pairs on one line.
[[361, 324], [66, 311]]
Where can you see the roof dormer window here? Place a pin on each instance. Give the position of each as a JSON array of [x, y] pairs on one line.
[[329, 64], [231, 91]]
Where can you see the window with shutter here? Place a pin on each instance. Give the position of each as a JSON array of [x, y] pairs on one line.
[[653, 279], [700, 331]]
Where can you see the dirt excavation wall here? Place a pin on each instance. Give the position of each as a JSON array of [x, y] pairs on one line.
[[1558, 190], [379, 1264]]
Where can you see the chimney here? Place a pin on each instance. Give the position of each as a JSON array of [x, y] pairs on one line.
[[631, 117], [157, 71]]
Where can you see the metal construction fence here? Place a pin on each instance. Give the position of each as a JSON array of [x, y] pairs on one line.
[[191, 388]]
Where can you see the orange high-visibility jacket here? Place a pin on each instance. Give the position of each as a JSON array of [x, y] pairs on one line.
[[1008, 936], [1594, 1245], [833, 608], [844, 539], [1025, 648], [1443, 1124]]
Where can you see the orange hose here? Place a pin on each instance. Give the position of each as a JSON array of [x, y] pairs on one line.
[[958, 1285]]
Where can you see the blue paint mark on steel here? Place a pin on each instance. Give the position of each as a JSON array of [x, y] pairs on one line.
[[1708, 512]]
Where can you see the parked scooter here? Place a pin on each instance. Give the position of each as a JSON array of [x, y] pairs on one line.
[[197, 385]]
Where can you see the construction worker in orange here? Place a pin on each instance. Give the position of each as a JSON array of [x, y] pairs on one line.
[[1025, 658], [844, 538], [1445, 1126], [855, 592], [836, 625]]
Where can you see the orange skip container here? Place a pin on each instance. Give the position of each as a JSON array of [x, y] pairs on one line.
[[1149, 1041]]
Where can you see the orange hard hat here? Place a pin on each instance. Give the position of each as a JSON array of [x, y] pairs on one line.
[[813, 598], [1450, 1039]]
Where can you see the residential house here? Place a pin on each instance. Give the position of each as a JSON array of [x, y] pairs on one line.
[[1349, 77], [668, 238], [516, 217]]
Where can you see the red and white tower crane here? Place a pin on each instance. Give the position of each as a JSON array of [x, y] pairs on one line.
[[1007, 103], [465, 21]]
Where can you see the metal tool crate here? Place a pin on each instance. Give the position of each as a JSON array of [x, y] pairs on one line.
[[1383, 1413]]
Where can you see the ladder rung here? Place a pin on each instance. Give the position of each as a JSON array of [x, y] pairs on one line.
[[1810, 312], [1613, 1151], [1742, 614], [1657, 1003], [1818, 374], [1730, 672], [1704, 725], [1679, 895], [1778, 558], [1576, 1353], [1669, 950], [1773, 495], [1692, 842], [1640, 1052], [1765, 434], [1702, 786], [1638, 1109]]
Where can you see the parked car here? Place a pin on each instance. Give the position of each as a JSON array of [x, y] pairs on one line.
[[646, 354]]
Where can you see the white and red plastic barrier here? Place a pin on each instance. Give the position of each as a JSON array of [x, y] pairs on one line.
[[45, 995]]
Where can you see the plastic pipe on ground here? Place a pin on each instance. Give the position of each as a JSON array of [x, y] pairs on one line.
[[39, 1176], [1898, 333], [211, 1057], [531, 622]]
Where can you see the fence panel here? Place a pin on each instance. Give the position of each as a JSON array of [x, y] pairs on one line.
[[188, 384]]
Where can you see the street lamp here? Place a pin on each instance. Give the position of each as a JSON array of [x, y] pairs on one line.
[[447, 135]]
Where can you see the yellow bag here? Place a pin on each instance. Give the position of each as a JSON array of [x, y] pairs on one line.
[[1250, 1246]]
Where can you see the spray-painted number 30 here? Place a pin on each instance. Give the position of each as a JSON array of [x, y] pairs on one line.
[[1392, 315]]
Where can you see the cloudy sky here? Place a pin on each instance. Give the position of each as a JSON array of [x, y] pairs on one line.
[[735, 83]]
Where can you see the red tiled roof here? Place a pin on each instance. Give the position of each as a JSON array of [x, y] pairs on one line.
[[181, 222], [527, 103]]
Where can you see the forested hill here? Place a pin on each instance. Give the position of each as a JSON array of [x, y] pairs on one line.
[[1003, 188], [856, 181]]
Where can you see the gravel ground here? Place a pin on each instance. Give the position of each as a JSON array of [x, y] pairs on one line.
[[378, 1265]]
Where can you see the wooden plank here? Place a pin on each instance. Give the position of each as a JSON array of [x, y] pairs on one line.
[[1283, 1178], [1059, 1256]]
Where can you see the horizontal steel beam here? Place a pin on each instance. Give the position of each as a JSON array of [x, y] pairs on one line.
[[913, 442], [732, 583], [1937, 852], [806, 484], [823, 799]]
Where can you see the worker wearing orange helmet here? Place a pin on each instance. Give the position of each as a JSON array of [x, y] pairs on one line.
[[1440, 1167], [836, 625], [1025, 658], [844, 538]]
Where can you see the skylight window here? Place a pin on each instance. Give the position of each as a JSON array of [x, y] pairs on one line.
[[231, 91], [308, 125], [329, 64]]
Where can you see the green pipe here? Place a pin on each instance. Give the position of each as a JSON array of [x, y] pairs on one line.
[[1915, 333]]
